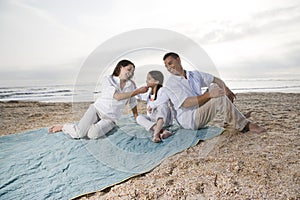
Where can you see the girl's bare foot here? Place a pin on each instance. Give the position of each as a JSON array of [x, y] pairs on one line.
[[166, 134], [156, 137], [56, 128]]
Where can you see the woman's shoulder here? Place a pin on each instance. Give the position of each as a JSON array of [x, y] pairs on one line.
[[131, 83]]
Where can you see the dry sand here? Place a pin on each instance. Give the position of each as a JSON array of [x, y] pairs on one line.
[[232, 166]]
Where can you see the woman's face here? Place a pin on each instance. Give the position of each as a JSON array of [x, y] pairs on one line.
[[151, 82], [126, 72]]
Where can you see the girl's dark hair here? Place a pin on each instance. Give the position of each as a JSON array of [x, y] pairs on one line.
[[122, 63], [158, 76], [158, 87]]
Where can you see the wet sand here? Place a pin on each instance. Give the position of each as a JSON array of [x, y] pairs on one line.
[[232, 166]]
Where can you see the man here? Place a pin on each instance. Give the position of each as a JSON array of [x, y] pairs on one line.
[[194, 109]]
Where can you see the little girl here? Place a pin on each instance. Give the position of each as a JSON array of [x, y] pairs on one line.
[[117, 90], [161, 116]]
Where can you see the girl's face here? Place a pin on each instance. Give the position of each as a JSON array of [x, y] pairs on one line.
[[151, 82], [127, 72]]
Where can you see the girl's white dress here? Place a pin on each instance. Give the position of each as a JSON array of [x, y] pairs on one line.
[[160, 109]]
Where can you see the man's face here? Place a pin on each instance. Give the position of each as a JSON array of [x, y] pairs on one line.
[[173, 65]]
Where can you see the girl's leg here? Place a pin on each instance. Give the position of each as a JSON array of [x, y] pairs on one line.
[[145, 122], [165, 134], [157, 128]]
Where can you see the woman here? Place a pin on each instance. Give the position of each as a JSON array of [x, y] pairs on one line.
[[117, 90], [161, 116]]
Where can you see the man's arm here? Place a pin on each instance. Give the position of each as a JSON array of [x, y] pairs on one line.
[[202, 99], [227, 91]]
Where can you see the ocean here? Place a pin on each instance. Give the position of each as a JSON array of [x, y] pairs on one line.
[[66, 93]]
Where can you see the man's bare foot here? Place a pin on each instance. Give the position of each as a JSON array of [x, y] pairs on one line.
[[56, 128], [254, 128], [248, 114], [156, 137], [166, 134]]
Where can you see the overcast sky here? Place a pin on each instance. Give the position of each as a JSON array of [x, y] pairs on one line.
[[46, 41]]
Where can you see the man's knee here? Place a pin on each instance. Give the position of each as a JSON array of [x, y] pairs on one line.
[[218, 100]]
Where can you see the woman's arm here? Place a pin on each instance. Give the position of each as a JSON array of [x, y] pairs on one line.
[[126, 95], [134, 112]]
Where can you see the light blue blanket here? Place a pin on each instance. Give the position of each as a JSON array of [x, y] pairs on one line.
[[38, 165]]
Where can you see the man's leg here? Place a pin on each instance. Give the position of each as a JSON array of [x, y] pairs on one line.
[[208, 111]]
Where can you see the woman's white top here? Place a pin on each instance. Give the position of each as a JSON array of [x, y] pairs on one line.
[[107, 105]]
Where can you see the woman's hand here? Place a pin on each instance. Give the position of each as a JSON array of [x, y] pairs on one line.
[[142, 90]]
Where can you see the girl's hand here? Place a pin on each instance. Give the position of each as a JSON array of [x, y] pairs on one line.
[[149, 109]]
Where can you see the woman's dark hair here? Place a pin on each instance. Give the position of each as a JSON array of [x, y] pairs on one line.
[[174, 55], [122, 63]]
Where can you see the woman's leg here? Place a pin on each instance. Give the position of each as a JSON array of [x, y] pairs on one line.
[[89, 118], [100, 128]]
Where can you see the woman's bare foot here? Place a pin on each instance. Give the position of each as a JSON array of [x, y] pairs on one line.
[[55, 128], [166, 134], [156, 137], [254, 128]]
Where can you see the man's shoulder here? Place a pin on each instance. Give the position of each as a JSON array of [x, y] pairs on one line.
[[172, 79]]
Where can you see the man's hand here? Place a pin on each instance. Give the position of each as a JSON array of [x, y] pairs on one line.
[[215, 91], [231, 96]]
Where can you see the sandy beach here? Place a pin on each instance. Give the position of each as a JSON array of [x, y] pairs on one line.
[[232, 166]]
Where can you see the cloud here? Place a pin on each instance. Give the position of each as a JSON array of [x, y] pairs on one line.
[[31, 37], [37, 35], [264, 22]]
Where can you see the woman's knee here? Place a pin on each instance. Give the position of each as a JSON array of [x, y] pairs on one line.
[[94, 133], [97, 131]]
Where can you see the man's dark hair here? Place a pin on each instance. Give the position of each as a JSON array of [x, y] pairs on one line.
[[174, 55]]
